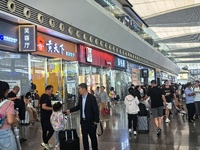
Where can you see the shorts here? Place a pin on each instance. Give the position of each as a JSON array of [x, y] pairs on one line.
[[157, 112], [169, 105]]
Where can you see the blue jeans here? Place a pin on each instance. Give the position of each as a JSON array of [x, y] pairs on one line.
[[7, 140], [57, 138]]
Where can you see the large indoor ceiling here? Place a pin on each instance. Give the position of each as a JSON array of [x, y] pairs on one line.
[[176, 24]]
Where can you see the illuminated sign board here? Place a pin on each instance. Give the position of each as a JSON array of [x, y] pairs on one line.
[[54, 47], [27, 38], [7, 38], [120, 63]]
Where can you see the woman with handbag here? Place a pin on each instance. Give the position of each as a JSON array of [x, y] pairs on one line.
[[8, 117], [131, 101]]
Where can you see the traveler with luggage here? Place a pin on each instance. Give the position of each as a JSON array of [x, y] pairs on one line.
[[157, 99], [46, 111], [131, 101], [8, 117], [57, 122], [89, 116]]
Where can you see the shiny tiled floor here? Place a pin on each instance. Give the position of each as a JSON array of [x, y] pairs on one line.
[[177, 135]]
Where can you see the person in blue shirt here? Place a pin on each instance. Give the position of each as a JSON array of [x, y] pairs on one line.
[[189, 93]]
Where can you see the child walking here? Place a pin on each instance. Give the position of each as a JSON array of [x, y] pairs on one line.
[[57, 121]]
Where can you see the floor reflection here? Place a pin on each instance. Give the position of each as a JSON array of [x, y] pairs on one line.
[[177, 135]]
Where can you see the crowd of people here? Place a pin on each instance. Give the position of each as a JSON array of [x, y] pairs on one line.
[[159, 99]]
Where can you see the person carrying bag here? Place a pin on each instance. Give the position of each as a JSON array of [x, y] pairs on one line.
[[8, 117]]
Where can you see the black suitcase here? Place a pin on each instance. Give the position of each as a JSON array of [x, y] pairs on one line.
[[69, 139], [143, 124]]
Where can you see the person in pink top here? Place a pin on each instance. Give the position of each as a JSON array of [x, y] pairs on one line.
[[7, 118]]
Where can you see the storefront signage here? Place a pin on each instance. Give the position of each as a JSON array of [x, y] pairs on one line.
[[195, 71], [99, 58], [59, 49], [54, 47], [8, 36], [89, 54], [120, 63], [27, 38]]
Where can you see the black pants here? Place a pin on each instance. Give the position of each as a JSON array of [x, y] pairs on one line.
[[47, 130], [191, 111], [132, 120], [89, 129]]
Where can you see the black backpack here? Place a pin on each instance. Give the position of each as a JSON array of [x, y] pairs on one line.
[[143, 111]]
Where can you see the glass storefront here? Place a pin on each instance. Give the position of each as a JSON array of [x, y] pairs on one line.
[[14, 70], [38, 72], [57, 72], [94, 77]]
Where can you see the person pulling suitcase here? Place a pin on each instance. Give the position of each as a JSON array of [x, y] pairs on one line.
[[89, 116]]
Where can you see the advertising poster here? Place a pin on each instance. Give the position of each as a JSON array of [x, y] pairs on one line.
[[136, 76]]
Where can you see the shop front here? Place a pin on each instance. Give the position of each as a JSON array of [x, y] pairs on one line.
[[120, 77], [55, 64], [13, 65], [95, 67]]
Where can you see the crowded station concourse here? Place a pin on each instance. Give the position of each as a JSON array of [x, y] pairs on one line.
[[99, 75]]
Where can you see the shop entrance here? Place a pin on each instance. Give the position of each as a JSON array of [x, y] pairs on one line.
[[57, 72]]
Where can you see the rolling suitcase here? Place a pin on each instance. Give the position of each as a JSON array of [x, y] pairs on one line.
[[26, 120], [69, 138], [143, 124]]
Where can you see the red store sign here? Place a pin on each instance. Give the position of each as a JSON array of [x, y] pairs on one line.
[[95, 57]]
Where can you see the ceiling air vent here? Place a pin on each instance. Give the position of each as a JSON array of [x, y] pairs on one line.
[[11, 6]]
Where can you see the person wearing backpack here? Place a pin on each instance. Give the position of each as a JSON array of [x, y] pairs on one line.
[[8, 117], [131, 101]]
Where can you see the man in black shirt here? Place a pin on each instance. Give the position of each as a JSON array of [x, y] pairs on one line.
[[169, 94], [46, 111], [19, 103], [157, 100]]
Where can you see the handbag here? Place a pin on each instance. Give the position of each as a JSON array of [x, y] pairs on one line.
[[99, 128], [106, 111]]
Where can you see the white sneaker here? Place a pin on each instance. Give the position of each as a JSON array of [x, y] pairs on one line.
[[167, 120], [50, 145], [135, 133], [46, 146], [130, 131]]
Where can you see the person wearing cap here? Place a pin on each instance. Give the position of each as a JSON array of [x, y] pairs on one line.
[[32, 112], [189, 93]]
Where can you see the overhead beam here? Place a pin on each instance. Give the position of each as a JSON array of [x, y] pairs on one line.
[[194, 49], [186, 56]]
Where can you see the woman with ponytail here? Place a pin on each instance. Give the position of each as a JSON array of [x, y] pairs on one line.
[[8, 117]]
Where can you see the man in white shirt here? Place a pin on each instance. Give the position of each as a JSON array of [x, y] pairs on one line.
[[197, 99]]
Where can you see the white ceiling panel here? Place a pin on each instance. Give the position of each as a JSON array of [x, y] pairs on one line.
[[149, 8]]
